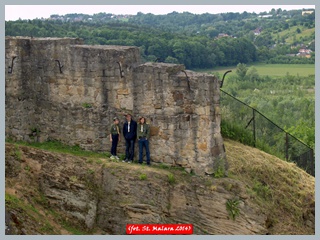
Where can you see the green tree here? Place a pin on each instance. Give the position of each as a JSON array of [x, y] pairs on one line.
[[241, 71], [252, 74], [170, 59], [304, 132]]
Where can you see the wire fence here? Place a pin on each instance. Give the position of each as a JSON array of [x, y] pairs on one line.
[[251, 127]]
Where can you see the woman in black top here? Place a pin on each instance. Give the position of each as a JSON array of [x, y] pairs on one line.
[[114, 138]]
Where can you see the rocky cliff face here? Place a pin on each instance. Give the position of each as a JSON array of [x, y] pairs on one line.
[[101, 196]]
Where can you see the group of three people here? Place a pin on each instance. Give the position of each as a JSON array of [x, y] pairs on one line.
[[131, 132]]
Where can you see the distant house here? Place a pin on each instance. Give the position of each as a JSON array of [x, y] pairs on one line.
[[257, 31], [220, 35], [305, 50], [265, 16], [78, 19], [303, 54], [306, 12]]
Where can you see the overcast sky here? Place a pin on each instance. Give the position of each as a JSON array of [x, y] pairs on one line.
[[14, 12]]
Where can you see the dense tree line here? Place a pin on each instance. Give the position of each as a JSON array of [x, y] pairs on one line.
[[237, 24], [186, 38], [192, 51]]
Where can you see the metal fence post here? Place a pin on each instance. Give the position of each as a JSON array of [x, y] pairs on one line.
[[254, 127], [287, 147], [313, 172]]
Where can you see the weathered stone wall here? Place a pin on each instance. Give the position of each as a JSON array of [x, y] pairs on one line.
[[75, 103], [183, 110]]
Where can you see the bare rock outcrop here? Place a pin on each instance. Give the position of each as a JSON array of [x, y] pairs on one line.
[[109, 195]]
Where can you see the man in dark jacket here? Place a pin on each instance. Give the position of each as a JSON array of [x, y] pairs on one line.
[[130, 134]]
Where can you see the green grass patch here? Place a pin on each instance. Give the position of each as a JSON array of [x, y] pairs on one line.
[[240, 134], [11, 199], [87, 105], [15, 203], [27, 168], [163, 166], [30, 212], [89, 160], [47, 228], [291, 33], [219, 173], [273, 150], [56, 146], [236, 132], [42, 200], [143, 176], [72, 229], [262, 190], [280, 189], [171, 178], [232, 206], [73, 179], [17, 153], [169, 167], [263, 69], [284, 69], [99, 161]]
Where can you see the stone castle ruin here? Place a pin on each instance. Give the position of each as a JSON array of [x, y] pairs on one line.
[[60, 89]]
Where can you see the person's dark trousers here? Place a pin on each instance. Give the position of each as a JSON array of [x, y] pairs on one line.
[[115, 140], [130, 149], [144, 143]]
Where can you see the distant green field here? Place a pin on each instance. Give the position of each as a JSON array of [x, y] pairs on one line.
[[291, 33], [270, 69]]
